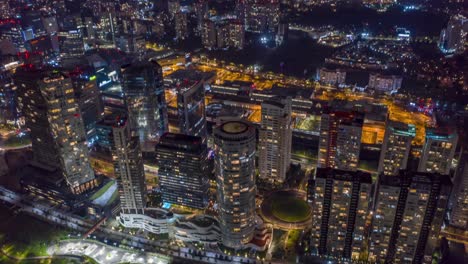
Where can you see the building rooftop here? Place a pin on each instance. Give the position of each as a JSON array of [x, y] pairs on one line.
[[234, 127]]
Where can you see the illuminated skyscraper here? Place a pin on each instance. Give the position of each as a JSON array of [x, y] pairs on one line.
[[438, 151], [409, 212], [275, 138], [235, 144], [144, 91], [340, 202], [182, 162], [396, 147], [191, 109], [128, 167], [340, 140], [52, 114]]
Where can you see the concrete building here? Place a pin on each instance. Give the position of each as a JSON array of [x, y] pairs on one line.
[[143, 87], [340, 140], [52, 114], [384, 83], [396, 148], [438, 151], [235, 144], [408, 215], [340, 204], [275, 136], [199, 229], [331, 77], [182, 162]]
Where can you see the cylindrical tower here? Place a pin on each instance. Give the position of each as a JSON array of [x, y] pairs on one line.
[[235, 176]]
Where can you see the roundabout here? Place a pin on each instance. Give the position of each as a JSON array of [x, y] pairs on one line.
[[286, 210]]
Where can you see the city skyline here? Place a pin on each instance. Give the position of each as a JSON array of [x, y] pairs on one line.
[[233, 131]]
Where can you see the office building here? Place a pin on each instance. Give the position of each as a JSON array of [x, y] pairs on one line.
[[331, 77], [409, 212], [128, 166], [143, 87], [384, 83], [340, 140], [70, 43], [89, 102], [52, 114], [182, 162], [235, 145], [340, 205], [181, 27], [262, 16], [438, 151], [453, 37], [396, 147], [275, 136], [191, 109]]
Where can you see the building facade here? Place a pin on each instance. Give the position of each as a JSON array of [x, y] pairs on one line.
[[340, 140], [275, 136], [340, 204], [385, 83], [235, 144], [408, 215], [182, 162], [438, 151], [396, 147], [52, 114], [331, 77]]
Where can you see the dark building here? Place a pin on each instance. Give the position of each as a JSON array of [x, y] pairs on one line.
[[409, 212], [191, 109], [340, 204], [183, 170], [144, 93]]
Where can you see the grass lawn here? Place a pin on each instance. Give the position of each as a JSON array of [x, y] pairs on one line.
[[102, 190], [15, 141], [114, 197], [24, 236], [290, 209]]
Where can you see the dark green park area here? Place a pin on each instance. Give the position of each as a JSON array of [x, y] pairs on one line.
[[22, 236], [290, 209]]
